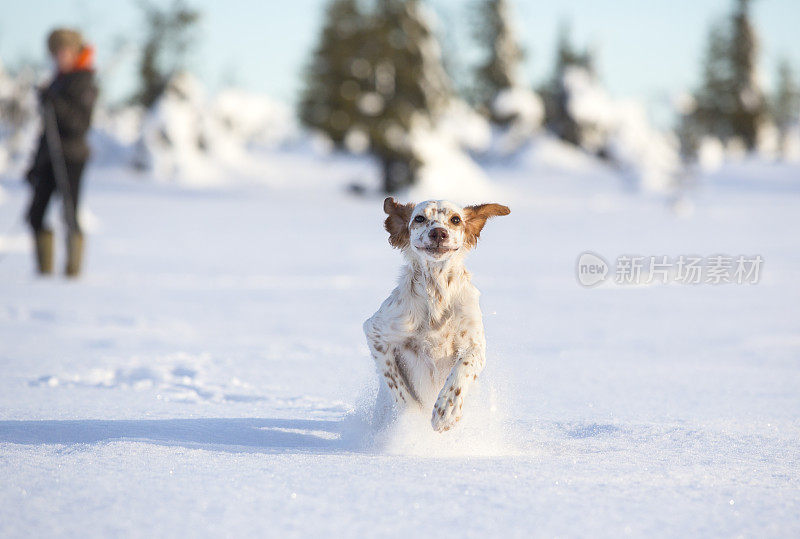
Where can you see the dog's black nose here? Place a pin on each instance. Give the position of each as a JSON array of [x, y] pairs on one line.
[[438, 234]]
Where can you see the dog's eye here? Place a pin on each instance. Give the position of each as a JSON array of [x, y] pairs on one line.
[[455, 219], [419, 219]]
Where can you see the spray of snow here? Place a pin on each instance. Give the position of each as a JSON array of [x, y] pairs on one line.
[[376, 426]]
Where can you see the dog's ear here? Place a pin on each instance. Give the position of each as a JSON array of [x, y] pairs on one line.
[[475, 217], [397, 222]]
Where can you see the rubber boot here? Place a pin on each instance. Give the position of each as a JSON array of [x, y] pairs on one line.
[[74, 254], [43, 242]]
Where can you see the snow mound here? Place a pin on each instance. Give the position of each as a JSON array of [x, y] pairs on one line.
[[447, 172], [651, 157], [182, 378], [114, 135], [19, 120], [526, 112], [710, 154], [547, 153], [174, 143], [465, 126], [791, 145], [253, 119], [621, 131], [193, 140]]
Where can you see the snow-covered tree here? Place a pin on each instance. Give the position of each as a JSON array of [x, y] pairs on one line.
[[786, 103], [410, 88], [337, 73], [499, 70], [730, 103], [19, 118], [750, 104], [169, 35], [506, 101], [376, 77], [173, 142], [190, 137], [714, 101], [572, 69]]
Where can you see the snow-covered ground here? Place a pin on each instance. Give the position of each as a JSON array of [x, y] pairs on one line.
[[208, 376]]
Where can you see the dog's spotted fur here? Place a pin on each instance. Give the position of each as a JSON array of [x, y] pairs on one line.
[[427, 337]]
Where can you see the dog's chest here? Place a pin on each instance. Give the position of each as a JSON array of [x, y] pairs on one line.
[[428, 359], [433, 340], [436, 348], [433, 321]]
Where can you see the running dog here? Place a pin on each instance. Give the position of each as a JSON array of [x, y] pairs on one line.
[[427, 337]]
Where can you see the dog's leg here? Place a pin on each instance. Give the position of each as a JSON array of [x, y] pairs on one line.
[[393, 375], [388, 365], [447, 410]]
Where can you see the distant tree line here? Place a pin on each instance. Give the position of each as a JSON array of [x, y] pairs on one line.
[[377, 72], [730, 103]]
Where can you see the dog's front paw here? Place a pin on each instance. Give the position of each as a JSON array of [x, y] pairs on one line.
[[447, 410]]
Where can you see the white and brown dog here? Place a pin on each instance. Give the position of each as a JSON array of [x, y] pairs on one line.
[[427, 337]]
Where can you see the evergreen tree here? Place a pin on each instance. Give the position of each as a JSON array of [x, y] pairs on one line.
[[337, 73], [750, 104], [499, 70], [729, 102], [714, 103], [786, 103], [409, 81], [373, 79]]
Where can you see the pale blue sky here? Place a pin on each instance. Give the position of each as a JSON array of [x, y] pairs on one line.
[[647, 48]]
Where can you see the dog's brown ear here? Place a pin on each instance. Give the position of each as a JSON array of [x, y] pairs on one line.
[[397, 222], [475, 217]]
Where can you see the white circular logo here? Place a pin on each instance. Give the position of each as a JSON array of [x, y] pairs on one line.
[[591, 269]]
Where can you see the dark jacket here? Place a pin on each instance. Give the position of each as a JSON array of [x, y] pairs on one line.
[[72, 96]]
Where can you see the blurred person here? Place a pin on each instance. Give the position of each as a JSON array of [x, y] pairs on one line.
[[63, 151]]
